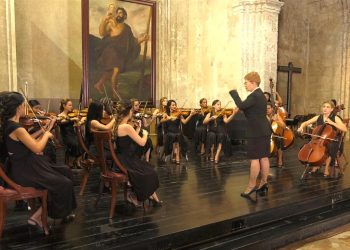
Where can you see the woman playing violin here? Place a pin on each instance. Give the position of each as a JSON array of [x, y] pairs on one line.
[[68, 134], [29, 168], [200, 133], [143, 178], [174, 139], [158, 113], [140, 120], [93, 122], [216, 137], [275, 118], [48, 122], [327, 117]]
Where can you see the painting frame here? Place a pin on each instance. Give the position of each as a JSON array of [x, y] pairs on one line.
[[87, 92]]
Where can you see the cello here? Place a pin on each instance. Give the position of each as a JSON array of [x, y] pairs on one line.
[[286, 132], [314, 153]]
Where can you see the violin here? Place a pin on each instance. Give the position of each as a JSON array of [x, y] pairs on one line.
[[29, 122], [314, 153], [180, 112], [223, 112]]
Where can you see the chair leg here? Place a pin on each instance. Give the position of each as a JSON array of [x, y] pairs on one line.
[[125, 190], [44, 213], [3, 211], [66, 158], [99, 192], [84, 181], [114, 199]]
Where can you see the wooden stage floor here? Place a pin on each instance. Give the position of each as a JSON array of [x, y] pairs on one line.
[[201, 200]]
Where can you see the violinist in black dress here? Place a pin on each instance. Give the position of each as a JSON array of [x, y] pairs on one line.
[[28, 166], [143, 178], [142, 120], [68, 134], [200, 133], [217, 135], [174, 141]]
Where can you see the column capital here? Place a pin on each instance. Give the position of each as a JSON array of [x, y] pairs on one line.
[[272, 6]]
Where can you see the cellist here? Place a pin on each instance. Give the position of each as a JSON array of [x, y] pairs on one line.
[[327, 117], [275, 118]]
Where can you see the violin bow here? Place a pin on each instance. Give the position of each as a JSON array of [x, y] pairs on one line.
[[30, 108], [223, 110], [144, 109]]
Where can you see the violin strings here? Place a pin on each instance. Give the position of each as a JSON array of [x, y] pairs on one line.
[[30, 108]]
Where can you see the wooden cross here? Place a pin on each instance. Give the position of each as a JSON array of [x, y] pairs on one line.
[[290, 69]]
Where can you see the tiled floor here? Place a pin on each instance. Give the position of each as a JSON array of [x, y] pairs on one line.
[[338, 238]]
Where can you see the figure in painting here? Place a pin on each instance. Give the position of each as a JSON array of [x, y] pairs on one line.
[[117, 48]]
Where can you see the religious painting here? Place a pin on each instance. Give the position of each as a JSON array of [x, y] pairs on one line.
[[119, 49]]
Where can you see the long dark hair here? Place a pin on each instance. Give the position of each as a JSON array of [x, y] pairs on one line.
[[9, 102], [95, 111], [168, 106]]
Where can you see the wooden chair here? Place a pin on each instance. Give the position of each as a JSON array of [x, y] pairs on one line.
[[101, 139], [17, 192], [341, 158], [88, 159]]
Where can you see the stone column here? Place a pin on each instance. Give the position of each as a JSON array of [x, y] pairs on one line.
[[258, 20], [344, 97], [8, 62]]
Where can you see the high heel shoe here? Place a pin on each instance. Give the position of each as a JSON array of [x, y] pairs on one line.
[[247, 195], [263, 189], [154, 202]]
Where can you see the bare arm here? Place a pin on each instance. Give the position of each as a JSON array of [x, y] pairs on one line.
[[306, 123], [209, 118], [127, 129], [338, 124], [165, 118], [279, 98], [97, 125], [227, 120], [36, 146], [184, 121]]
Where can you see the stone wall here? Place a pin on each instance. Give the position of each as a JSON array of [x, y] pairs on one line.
[[314, 36], [49, 55], [204, 47]]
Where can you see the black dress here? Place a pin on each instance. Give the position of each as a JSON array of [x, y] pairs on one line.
[[32, 170], [172, 134], [143, 178], [217, 134], [160, 132], [70, 138], [200, 133], [258, 127]]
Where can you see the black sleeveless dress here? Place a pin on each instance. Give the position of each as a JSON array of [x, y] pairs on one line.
[[143, 178], [217, 135], [32, 170], [172, 134], [70, 139], [200, 133]]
